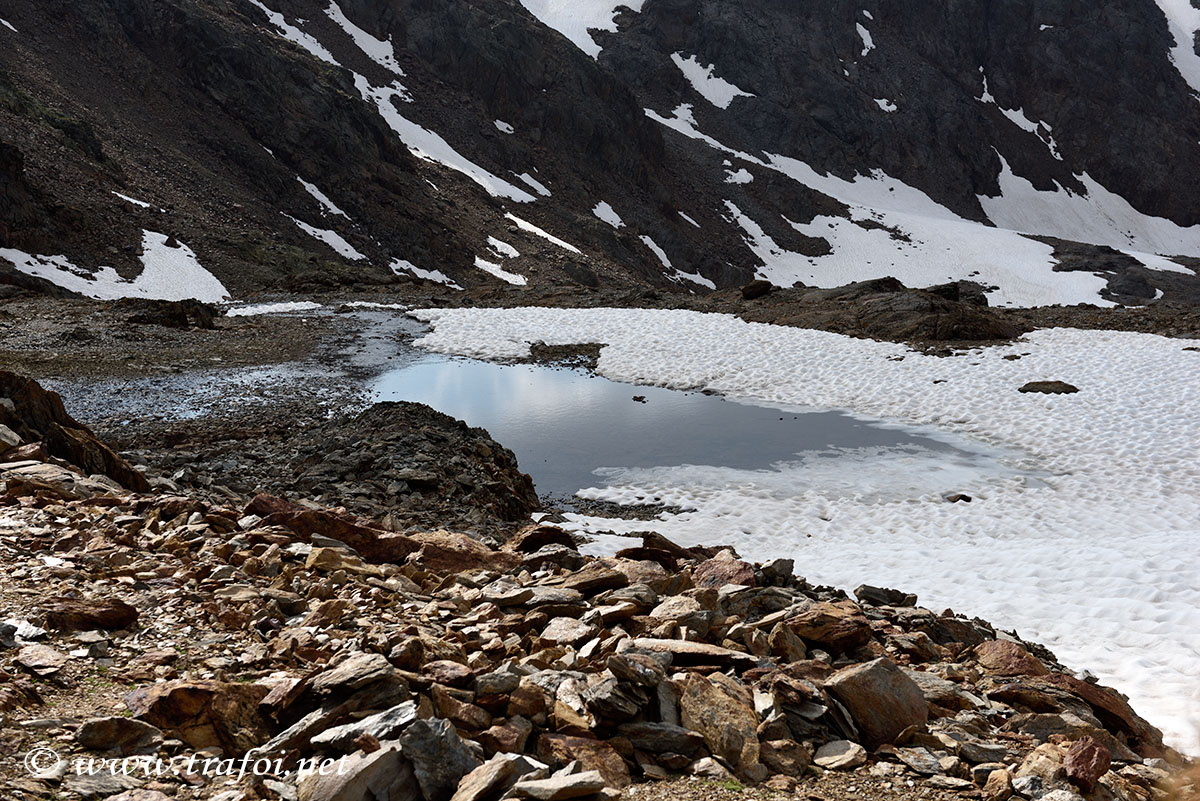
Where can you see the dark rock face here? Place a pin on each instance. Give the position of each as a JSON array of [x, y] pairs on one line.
[[37, 415], [205, 110]]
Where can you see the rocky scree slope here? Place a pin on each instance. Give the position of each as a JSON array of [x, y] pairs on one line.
[[690, 144]]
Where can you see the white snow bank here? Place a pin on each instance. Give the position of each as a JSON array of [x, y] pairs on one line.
[[1099, 563], [400, 265], [294, 34], [168, 273], [331, 238], [717, 91], [493, 269], [534, 184], [740, 176], [575, 18], [657, 251], [533, 229], [502, 248], [256, 309], [608, 214], [1183, 18]]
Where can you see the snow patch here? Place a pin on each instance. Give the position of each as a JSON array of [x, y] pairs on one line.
[[1116, 507], [272, 308], [294, 34], [496, 270], [689, 219], [607, 214], [139, 203], [1100, 216], [502, 249], [695, 278], [534, 184], [503, 127], [331, 238], [168, 273], [533, 229], [741, 176], [380, 51], [575, 19], [1183, 18], [885, 104], [657, 251], [865, 35], [400, 265], [321, 198], [8, 25], [427, 145], [715, 90]]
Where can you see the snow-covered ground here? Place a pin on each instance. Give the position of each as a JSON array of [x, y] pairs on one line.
[[575, 19], [1098, 559]]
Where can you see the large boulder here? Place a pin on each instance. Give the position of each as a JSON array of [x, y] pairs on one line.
[[38, 415], [204, 713], [729, 727], [881, 698]]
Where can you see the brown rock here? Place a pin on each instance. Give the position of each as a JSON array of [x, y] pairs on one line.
[[124, 736], [839, 626], [1114, 712], [88, 614], [450, 673], [487, 781], [1087, 760], [204, 713], [41, 660], [882, 700], [787, 757], [449, 552], [998, 787], [38, 415], [508, 737], [597, 755], [1007, 658], [729, 728], [595, 577], [720, 571], [1049, 387]]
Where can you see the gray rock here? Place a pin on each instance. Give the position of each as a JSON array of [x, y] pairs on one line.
[[977, 753], [439, 756], [882, 700], [840, 755], [560, 787], [384, 774], [122, 736], [385, 725]]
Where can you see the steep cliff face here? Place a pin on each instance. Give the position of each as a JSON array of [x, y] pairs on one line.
[[681, 144]]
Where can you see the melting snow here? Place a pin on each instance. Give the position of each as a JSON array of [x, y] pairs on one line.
[[272, 308], [321, 198], [606, 213], [378, 50], [331, 238], [533, 229], [575, 18], [168, 273], [503, 127], [499, 272], [400, 265], [294, 34], [715, 90], [1183, 18], [428, 145], [1116, 508]]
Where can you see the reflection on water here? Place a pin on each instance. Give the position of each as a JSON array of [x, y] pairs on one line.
[[564, 425]]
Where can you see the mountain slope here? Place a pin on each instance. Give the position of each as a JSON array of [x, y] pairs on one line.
[[683, 144]]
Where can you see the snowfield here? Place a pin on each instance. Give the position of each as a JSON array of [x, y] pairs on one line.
[[168, 273], [1097, 559]]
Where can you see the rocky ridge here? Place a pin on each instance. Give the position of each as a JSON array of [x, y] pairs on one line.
[[432, 666]]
